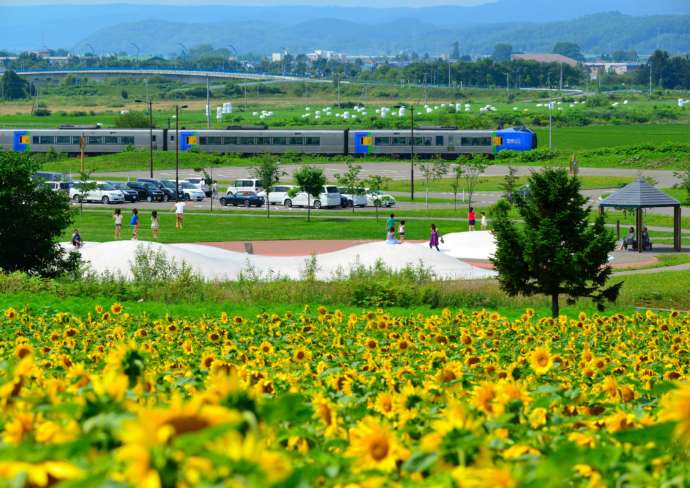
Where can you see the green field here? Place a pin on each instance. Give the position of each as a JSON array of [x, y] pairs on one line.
[[582, 138]]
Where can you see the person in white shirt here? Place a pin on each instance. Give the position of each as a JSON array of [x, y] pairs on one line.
[[117, 217], [483, 222], [179, 214]]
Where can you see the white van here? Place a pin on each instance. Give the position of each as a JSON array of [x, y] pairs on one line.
[[248, 184], [329, 198]]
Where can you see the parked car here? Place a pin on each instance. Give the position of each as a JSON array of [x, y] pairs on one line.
[[191, 191], [167, 188], [245, 184], [353, 198], [102, 192], [146, 191], [379, 199], [130, 194], [277, 195], [244, 198], [201, 184], [328, 198], [57, 185]]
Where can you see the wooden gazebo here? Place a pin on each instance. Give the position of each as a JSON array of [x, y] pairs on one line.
[[638, 195]]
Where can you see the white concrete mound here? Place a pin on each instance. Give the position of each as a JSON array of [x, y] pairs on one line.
[[219, 264], [469, 245]]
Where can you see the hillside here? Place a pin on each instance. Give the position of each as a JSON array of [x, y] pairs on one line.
[[37, 26], [595, 33]]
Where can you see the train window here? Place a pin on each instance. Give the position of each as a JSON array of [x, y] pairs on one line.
[[46, 140], [312, 141], [203, 141], [62, 139], [475, 141], [229, 140], [439, 140], [34, 140], [279, 141], [400, 141], [246, 141], [153, 139], [215, 140], [263, 141], [95, 140], [382, 141], [129, 140], [172, 138], [295, 141], [76, 140], [110, 139]]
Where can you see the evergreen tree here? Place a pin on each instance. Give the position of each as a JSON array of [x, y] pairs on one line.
[[557, 251], [502, 52], [33, 217], [13, 86], [569, 49]]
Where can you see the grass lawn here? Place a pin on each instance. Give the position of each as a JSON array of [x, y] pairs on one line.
[[494, 183], [601, 136], [223, 226]]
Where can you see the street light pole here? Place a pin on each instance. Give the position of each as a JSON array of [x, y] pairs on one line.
[[412, 152], [149, 102], [177, 153]]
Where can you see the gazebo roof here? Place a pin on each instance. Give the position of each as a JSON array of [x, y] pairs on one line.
[[639, 194]]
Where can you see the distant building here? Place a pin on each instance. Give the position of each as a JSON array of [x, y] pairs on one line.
[[277, 57], [322, 54], [545, 58], [598, 68]]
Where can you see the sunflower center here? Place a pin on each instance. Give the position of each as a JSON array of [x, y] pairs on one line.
[[379, 449]]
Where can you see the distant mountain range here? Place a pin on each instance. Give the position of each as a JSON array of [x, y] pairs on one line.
[[600, 33], [527, 24]]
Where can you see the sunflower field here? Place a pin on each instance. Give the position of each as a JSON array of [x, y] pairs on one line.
[[323, 398]]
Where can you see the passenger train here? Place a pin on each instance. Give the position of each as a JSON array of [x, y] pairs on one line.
[[442, 141]]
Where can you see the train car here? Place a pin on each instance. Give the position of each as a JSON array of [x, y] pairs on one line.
[[441, 141], [254, 141], [67, 140]]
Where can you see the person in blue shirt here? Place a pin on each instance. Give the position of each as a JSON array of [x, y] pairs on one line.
[[134, 222]]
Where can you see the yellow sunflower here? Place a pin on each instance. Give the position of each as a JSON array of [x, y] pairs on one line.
[[540, 360], [374, 446]]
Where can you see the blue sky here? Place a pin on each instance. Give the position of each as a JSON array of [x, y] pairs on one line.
[[339, 3]]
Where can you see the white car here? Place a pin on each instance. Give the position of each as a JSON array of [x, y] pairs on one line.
[[277, 195], [103, 192], [328, 198], [356, 198], [191, 192], [200, 184], [379, 199]]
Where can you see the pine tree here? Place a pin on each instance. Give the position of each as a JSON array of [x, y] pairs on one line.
[[557, 251]]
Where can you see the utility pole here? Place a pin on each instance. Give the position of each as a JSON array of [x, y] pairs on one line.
[[449, 73], [550, 124], [650, 79], [208, 103], [507, 82], [412, 153], [560, 86]]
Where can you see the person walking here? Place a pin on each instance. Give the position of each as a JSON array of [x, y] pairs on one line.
[[117, 217], [155, 225], [390, 228], [179, 214], [134, 222], [401, 231], [471, 218], [483, 222], [435, 238]]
